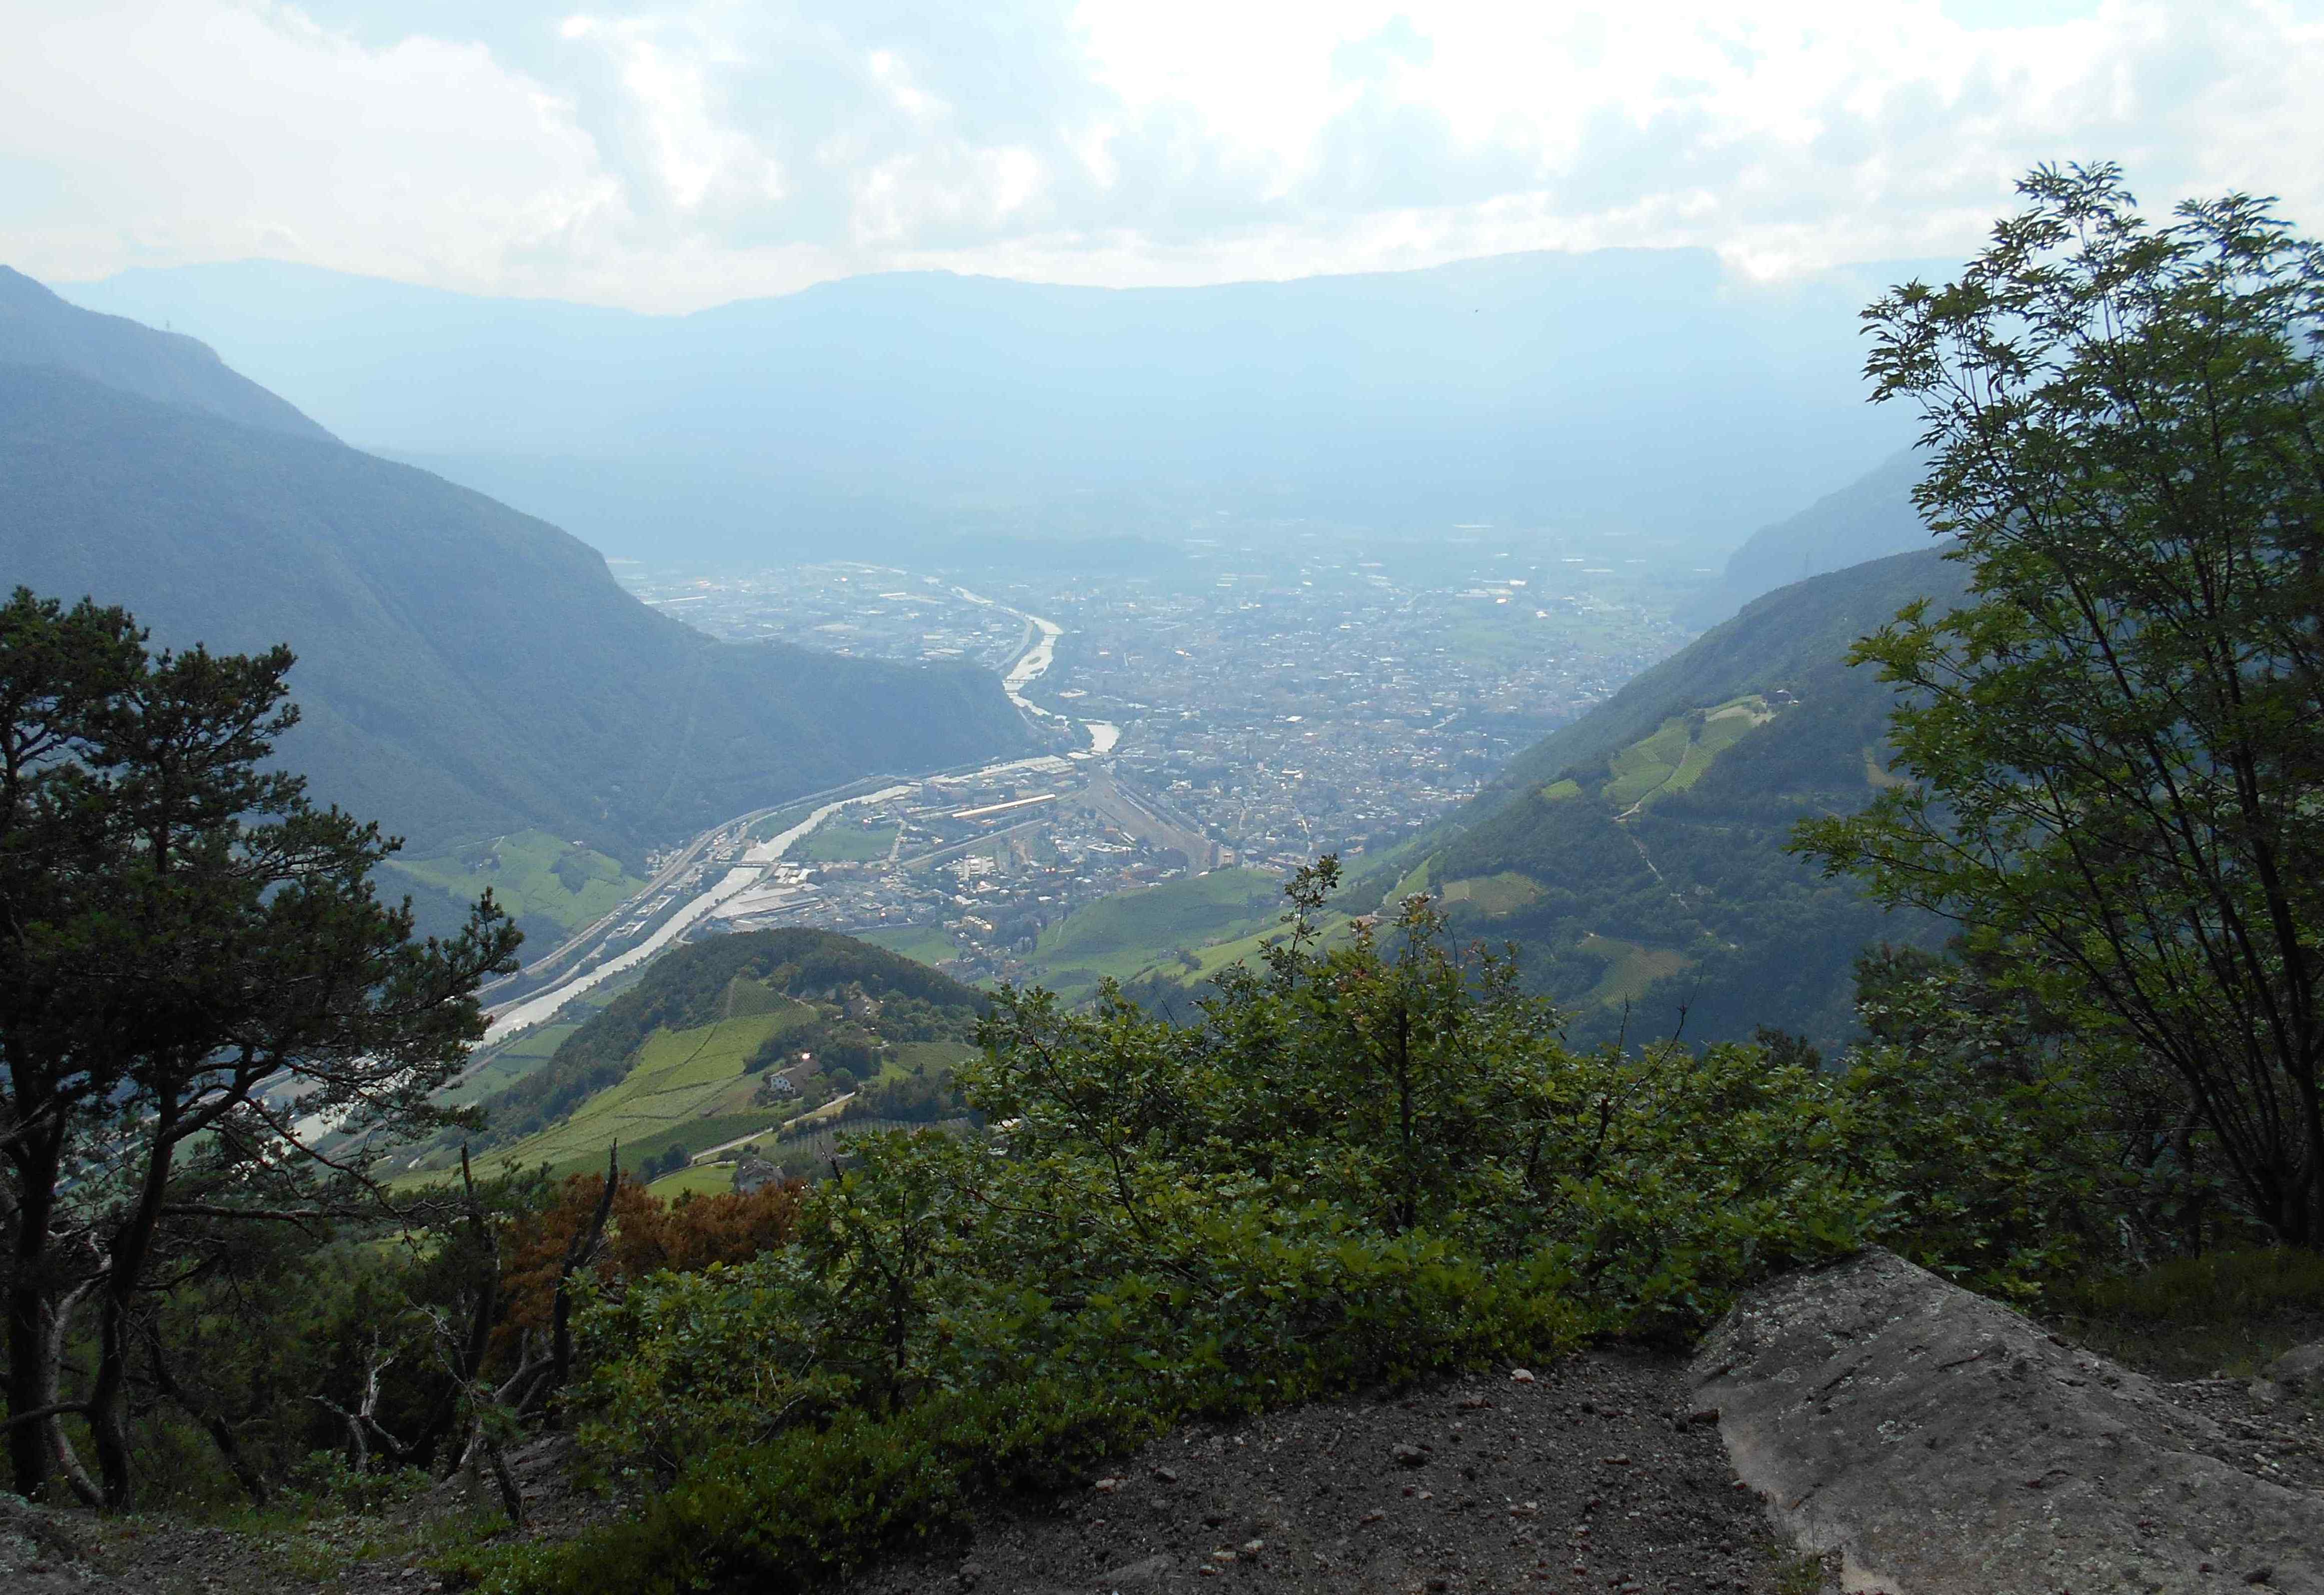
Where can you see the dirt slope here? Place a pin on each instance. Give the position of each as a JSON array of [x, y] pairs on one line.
[[1598, 1474]]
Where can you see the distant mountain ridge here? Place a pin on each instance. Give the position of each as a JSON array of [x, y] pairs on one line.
[[1870, 518], [465, 670], [1652, 388], [37, 329]]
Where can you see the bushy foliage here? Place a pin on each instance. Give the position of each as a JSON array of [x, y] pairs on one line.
[[2218, 1286], [921, 1097], [273, 1318], [1355, 1166], [2045, 1148], [324, 1482], [2111, 755], [644, 1236], [2189, 1317], [1363, 1164], [817, 1502], [834, 1042]]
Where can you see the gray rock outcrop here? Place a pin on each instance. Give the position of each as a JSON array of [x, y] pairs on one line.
[[1942, 1445], [2300, 1371]]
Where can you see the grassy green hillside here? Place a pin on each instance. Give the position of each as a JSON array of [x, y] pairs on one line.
[[1638, 856], [1165, 943], [1774, 642], [1678, 752], [1251, 945], [678, 1080], [1167, 930], [923, 944], [496, 1068], [679, 1059], [699, 1179], [550, 886]]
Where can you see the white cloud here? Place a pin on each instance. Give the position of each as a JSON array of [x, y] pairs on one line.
[[179, 132], [703, 151]]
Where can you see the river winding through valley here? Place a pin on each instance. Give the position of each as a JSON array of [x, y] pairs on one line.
[[1028, 667]]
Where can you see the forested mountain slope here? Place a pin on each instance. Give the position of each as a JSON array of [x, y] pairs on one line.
[[1636, 856], [465, 670]]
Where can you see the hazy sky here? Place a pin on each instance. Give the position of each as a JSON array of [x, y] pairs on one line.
[[669, 156]]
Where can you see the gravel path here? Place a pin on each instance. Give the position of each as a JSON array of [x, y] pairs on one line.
[[1595, 1474]]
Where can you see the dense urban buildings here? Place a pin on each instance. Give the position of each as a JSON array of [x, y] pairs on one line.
[[1218, 704]]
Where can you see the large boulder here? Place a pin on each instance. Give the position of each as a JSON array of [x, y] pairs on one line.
[[1942, 1445], [2301, 1369]]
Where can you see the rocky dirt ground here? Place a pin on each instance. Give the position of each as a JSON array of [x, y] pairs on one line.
[[1594, 1474], [1601, 1473], [2275, 1435]]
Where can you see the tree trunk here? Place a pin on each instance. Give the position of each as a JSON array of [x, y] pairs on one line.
[[132, 1242], [32, 1325], [2308, 1178], [1407, 1206], [60, 1444], [67, 1461], [2192, 1185], [221, 1432], [583, 1250]]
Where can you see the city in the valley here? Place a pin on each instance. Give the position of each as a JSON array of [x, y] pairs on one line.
[[1232, 704]]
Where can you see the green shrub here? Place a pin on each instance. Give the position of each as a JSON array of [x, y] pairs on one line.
[[2024, 1152], [684, 1363], [326, 1483], [2219, 1287], [2230, 1311], [819, 1501], [1363, 1165]]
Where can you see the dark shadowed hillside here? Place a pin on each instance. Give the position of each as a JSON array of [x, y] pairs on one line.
[[465, 670]]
